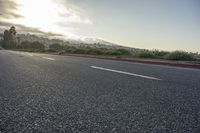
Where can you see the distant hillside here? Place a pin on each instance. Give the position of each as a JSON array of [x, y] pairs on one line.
[[82, 42]]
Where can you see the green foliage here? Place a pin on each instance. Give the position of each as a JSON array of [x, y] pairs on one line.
[[155, 54], [1, 43], [36, 45], [79, 51], [179, 55], [118, 52], [8, 38], [12, 31], [23, 45], [123, 52], [51, 50], [56, 47], [159, 54], [8, 42], [95, 52], [30, 45], [145, 54]]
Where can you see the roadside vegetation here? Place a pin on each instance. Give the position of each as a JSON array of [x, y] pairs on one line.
[[10, 42]]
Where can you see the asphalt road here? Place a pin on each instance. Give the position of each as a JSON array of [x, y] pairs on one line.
[[50, 93]]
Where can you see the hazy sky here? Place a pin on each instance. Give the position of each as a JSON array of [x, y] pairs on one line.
[[151, 24]]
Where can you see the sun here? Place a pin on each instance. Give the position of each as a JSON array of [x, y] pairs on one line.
[[42, 14], [49, 16]]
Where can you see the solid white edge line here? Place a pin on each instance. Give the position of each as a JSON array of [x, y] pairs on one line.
[[48, 58], [127, 73]]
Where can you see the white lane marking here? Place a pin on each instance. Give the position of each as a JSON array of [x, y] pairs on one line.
[[127, 73], [48, 58]]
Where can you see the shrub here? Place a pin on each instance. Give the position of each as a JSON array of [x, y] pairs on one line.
[[95, 51], [57, 47], [146, 54], [160, 54], [79, 51], [179, 55], [50, 50], [30, 45], [1, 43], [36, 45], [123, 52], [117, 52]]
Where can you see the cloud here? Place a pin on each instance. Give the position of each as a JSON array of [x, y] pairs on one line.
[[46, 17], [22, 28], [75, 18], [8, 9], [72, 14]]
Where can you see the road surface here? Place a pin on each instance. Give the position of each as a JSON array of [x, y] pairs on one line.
[[50, 93]]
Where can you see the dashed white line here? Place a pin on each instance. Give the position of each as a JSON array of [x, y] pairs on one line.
[[127, 73], [48, 58]]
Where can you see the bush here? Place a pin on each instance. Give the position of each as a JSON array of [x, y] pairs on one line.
[[123, 52], [30, 45], [112, 52], [160, 54], [57, 47], [50, 50], [79, 51], [1, 43], [179, 55], [146, 54], [37, 45], [118, 52], [95, 51], [9, 44]]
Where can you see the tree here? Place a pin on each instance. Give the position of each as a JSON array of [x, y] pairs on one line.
[[12, 31], [37, 45], [31, 45], [56, 47], [1, 44], [24, 45], [8, 38]]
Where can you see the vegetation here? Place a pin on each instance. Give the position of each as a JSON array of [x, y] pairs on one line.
[[145, 54], [179, 55], [56, 47], [97, 51], [9, 42], [1, 43], [8, 38], [30, 45]]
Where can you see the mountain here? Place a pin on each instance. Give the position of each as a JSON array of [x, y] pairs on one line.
[[81, 42], [96, 40]]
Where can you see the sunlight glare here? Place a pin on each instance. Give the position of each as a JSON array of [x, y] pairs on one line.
[[43, 15]]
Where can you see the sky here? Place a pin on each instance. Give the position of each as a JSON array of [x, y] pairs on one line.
[[149, 24]]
